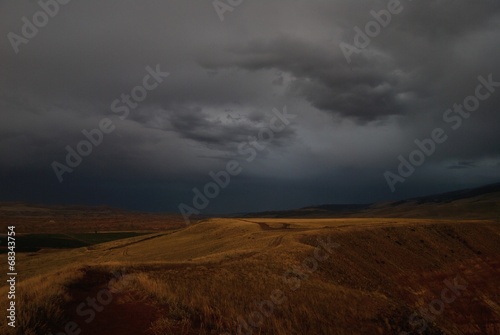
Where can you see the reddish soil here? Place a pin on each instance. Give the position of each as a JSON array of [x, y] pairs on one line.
[[128, 312]]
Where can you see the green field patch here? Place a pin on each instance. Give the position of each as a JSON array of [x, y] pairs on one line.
[[35, 242], [92, 238]]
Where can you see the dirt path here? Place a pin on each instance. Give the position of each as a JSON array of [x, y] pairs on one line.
[[99, 311], [276, 242], [265, 226]]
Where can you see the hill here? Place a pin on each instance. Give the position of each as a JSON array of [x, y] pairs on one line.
[[477, 203], [272, 276], [429, 265]]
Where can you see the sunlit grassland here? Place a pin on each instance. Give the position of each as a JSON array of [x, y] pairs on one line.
[[208, 276]]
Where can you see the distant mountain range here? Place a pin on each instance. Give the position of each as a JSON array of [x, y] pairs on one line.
[[476, 203]]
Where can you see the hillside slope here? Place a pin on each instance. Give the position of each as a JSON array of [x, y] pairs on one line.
[[280, 276], [477, 203]]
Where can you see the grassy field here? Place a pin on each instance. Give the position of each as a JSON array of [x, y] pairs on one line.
[[271, 276], [32, 219]]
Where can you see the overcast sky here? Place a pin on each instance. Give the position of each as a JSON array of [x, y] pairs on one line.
[[229, 67]]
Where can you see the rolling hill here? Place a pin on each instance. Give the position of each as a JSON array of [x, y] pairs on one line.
[[477, 203], [405, 273]]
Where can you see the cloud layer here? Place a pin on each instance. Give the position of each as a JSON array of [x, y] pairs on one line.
[[353, 119]]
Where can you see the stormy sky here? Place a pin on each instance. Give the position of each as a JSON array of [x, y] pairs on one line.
[[233, 66]]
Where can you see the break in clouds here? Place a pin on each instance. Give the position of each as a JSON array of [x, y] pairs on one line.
[[229, 66]]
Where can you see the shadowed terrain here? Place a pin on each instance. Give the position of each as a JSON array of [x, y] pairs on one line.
[[478, 203], [264, 275], [372, 276]]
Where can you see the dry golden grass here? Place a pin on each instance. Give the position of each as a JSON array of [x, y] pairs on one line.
[[210, 278], [40, 301]]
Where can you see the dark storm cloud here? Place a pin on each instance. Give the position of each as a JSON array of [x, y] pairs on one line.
[[408, 59], [322, 77], [195, 124], [217, 130], [353, 120], [462, 165]]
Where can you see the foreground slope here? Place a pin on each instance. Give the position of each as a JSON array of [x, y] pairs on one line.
[[275, 276]]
